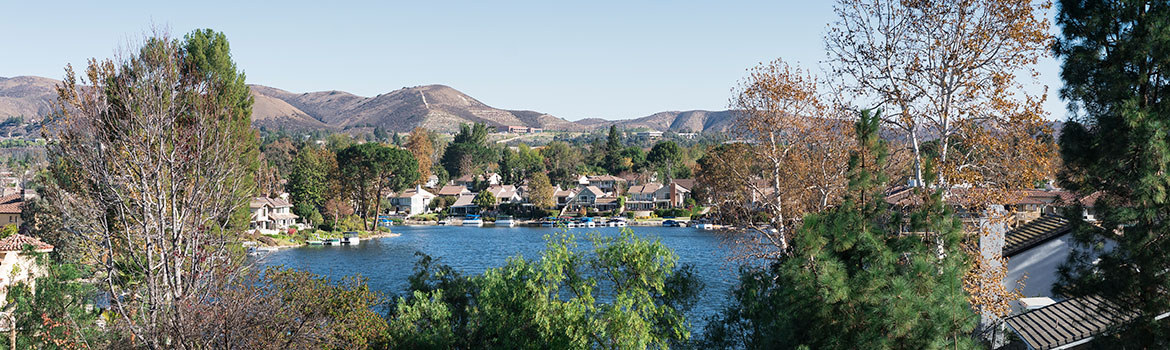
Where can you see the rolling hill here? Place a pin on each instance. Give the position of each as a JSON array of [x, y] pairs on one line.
[[435, 107]]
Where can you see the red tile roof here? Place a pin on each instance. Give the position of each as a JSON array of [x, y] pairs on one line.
[[10, 204], [17, 242]]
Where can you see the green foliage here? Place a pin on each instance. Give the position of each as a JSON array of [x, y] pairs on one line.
[[9, 230], [56, 315], [370, 168], [485, 200], [209, 54], [623, 293], [309, 180], [469, 152], [855, 279], [1117, 148]]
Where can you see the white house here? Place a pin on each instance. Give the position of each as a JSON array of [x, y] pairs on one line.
[[505, 194], [411, 202], [271, 213], [641, 197], [468, 180]]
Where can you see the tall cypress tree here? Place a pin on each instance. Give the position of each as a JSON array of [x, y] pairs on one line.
[[861, 275], [1115, 57], [207, 52]]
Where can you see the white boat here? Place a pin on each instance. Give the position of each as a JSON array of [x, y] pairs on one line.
[[617, 223], [570, 224], [705, 226], [505, 221], [473, 220], [444, 222]]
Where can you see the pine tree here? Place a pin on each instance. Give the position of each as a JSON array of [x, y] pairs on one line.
[[860, 274], [1117, 146]]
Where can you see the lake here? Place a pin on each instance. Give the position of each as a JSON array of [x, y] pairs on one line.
[[387, 261]]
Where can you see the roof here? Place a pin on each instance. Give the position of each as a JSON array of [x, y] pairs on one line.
[[1068, 321], [904, 196], [411, 193], [464, 201], [1033, 233], [645, 189], [16, 242], [605, 178], [279, 216], [10, 204], [565, 193], [450, 190], [504, 191], [597, 192], [685, 183], [271, 202], [606, 200]]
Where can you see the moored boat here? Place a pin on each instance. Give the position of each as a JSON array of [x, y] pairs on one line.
[[332, 241], [505, 221], [350, 238], [473, 220]]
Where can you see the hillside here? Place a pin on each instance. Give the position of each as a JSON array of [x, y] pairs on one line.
[[435, 107], [27, 96]]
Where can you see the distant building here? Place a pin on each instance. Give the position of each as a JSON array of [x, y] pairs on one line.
[[453, 190], [513, 129], [469, 180], [505, 194], [535, 130], [649, 134], [608, 183], [10, 208], [688, 135]]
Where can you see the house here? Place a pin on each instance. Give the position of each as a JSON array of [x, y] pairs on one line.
[[673, 195], [17, 266], [469, 180], [411, 202], [453, 191], [583, 180], [505, 194], [593, 197], [688, 135], [564, 196], [10, 208], [641, 197], [270, 214], [1035, 250], [608, 183], [464, 205], [1071, 323]]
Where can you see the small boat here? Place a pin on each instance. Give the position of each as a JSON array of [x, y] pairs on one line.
[[444, 222], [587, 222], [350, 238], [548, 222], [705, 226], [314, 242], [505, 221], [473, 220], [570, 224], [671, 223], [616, 222], [332, 241]]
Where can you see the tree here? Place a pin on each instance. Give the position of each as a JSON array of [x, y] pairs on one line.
[[797, 149], [859, 274], [561, 161], [541, 191], [157, 234], [208, 53], [311, 179], [667, 157], [1116, 149], [623, 292], [485, 200], [370, 170], [380, 134], [947, 71], [468, 153], [420, 145]]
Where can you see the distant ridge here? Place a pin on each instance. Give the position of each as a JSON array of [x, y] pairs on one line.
[[435, 107]]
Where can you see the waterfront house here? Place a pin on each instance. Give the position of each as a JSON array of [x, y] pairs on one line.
[[505, 194], [563, 197], [431, 182], [641, 197], [271, 214], [593, 197], [411, 202], [673, 195], [464, 205]]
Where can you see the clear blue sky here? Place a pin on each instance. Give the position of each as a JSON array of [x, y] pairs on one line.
[[603, 59]]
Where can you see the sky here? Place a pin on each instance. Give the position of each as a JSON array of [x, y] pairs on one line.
[[592, 59]]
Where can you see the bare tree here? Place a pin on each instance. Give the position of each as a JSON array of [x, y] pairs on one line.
[[152, 176]]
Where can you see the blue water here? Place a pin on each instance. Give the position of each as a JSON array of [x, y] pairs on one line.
[[387, 262]]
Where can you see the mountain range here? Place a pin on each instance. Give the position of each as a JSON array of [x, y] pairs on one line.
[[435, 107]]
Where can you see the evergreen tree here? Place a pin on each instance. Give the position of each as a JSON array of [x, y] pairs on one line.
[[469, 151], [309, 180], [1117, 146], [209, 54], [858, 276]]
